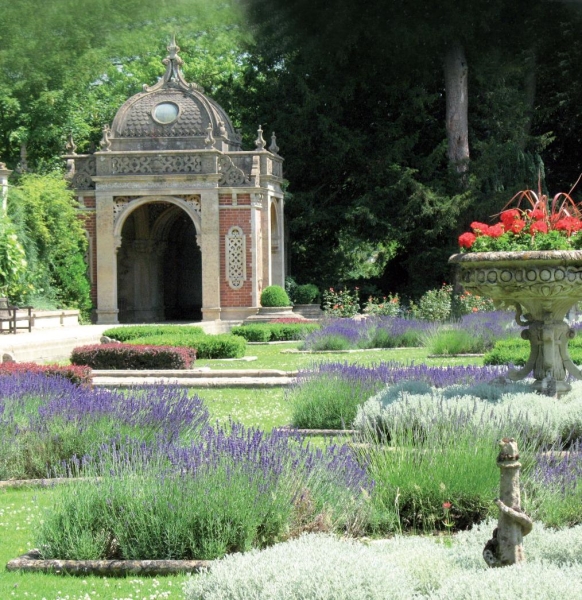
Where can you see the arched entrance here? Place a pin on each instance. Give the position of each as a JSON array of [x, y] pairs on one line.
[[159, 265]]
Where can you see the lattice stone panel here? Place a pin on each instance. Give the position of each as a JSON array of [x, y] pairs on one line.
[[146, 165], [236, 272]]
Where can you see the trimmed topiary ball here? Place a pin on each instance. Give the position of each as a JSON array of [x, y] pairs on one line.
[[306, 294], [274, 295]]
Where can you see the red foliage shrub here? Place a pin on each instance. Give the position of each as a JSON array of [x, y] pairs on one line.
[[80, 375], [130, 356]]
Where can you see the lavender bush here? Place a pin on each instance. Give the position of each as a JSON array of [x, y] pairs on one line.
[[473, 333], [232, 490], [327, 395], [369, 332], [45, 420], [553, 487]]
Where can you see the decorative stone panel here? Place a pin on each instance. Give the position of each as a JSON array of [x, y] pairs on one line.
[[230, 175], [85, 169], [120, 203], [236, 273], [147, 164]]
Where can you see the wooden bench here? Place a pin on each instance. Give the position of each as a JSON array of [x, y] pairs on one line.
[[13, 314]]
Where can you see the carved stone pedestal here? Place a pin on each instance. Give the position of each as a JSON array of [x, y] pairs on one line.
[[542, 286]]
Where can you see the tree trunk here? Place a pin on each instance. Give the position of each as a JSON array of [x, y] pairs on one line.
[[457, 122]]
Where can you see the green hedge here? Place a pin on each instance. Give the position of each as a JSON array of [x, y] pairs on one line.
[[207, 346], [132, 332], [516, 351], [274, 332]]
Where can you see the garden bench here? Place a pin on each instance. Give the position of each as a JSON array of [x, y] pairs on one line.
[[13, 314]]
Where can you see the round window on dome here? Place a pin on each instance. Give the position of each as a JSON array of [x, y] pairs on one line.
[[166, 113]]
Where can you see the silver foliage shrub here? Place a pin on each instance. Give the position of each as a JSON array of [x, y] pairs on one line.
[[322, 567], [506, 408]]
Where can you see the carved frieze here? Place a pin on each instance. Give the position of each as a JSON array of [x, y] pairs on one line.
[[146, 164]]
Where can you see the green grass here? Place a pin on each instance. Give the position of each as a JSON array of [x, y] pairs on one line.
[[18, 509], [273, 356], [265, 408]]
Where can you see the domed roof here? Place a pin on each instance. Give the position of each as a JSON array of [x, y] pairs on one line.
[[163, 115]]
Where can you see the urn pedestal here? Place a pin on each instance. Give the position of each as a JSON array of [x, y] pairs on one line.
[[542, 286]]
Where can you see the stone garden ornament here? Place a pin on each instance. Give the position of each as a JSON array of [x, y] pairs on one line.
[[531, 261], [506, 546]]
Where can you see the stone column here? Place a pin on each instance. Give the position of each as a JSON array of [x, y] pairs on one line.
[[266, 240], [107, 311], [278, 258], [4, 174], [209, 239]]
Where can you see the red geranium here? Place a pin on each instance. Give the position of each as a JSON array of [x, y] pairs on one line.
[[496, 230], [508, 217], [517, 226], [466, 240], [538, 227], [479, 228]]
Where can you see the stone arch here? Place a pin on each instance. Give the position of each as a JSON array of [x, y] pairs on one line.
[[159, 260], [134, 204]]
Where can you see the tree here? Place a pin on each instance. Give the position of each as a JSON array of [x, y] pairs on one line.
[[381, 149], [68, 68], [45, 215]]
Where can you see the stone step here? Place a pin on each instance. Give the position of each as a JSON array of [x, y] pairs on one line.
[[194, 382], [202, 373]]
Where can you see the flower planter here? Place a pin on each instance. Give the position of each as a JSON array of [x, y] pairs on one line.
[[542, 286], [309, 311], [271, 313]]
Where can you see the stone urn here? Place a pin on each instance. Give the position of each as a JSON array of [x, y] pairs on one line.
[[542, 286]]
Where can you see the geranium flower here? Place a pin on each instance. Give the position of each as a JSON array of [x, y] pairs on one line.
[[466, 240], [517, 226], [508, 217], [479, 228], [538, 227], [568, 224], [537, 214], [496, 230]]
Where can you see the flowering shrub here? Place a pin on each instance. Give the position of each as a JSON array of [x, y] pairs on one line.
[[341, 303], [467, 303], [373, 332], [231, 490], [327, 396], [549, 224], [130, 356], [388, 306], [80, 375], [45, 420], [434, 305]]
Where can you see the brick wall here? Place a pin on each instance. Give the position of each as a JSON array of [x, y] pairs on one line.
[[240, 217]]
